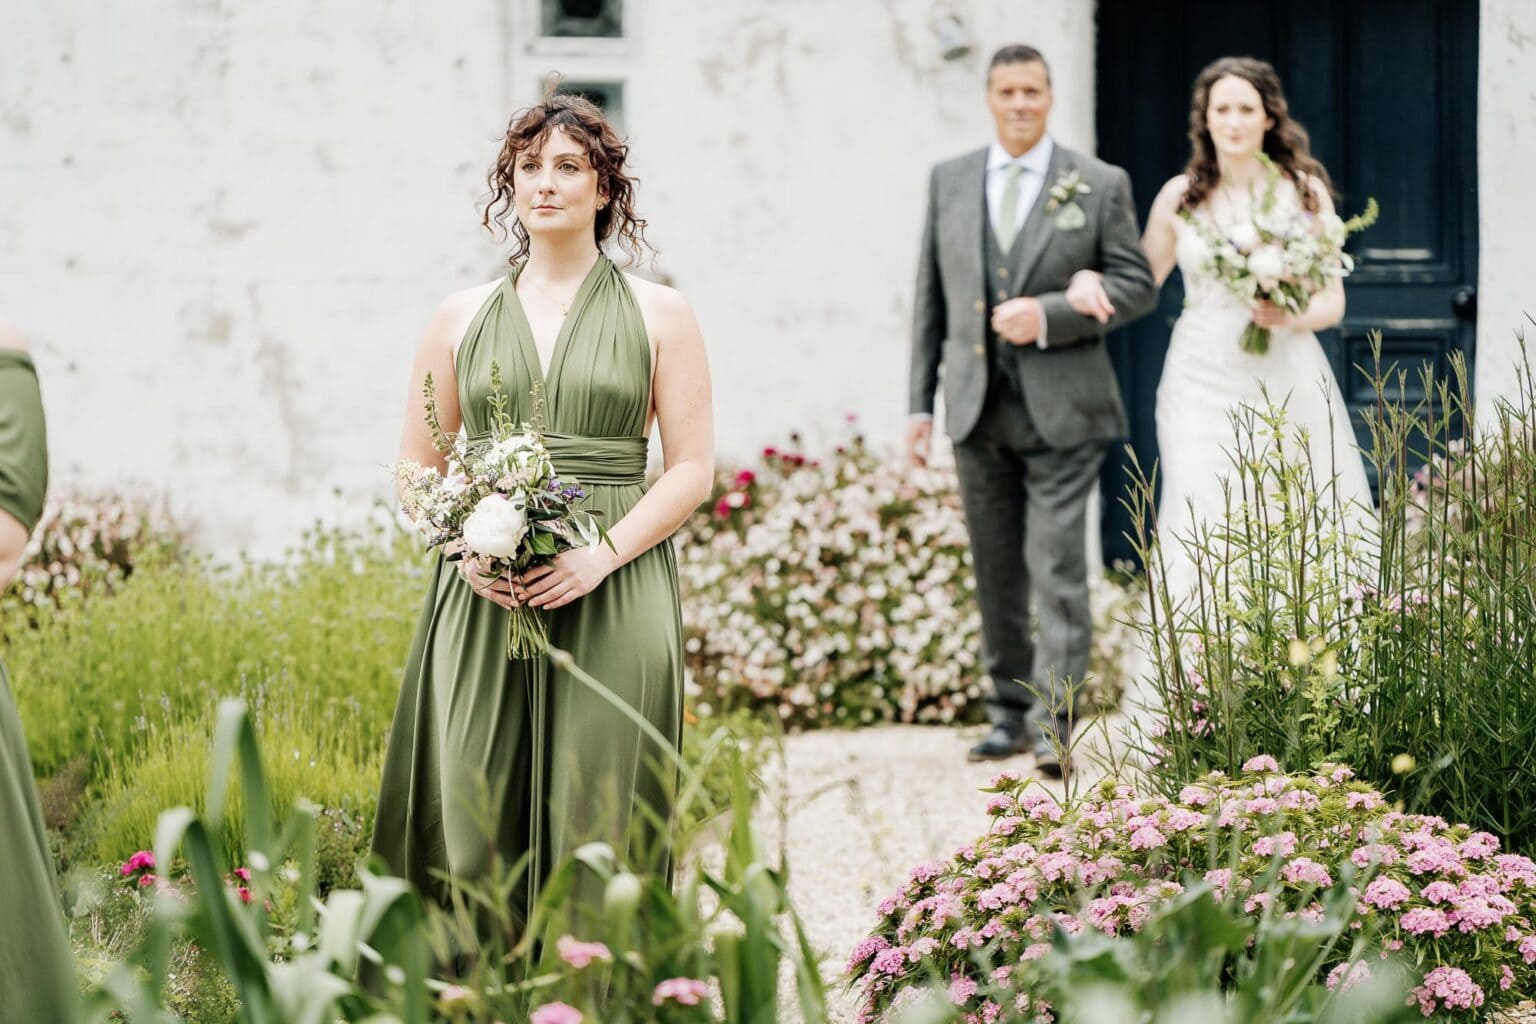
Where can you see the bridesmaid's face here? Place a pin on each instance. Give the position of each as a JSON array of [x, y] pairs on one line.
[[556, 188], [1235, 117]]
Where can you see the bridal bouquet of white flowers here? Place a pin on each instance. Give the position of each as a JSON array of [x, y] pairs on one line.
[[1284, 255], [500, 502]]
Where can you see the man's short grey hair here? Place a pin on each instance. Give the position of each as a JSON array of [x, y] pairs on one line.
[[1018, 53]]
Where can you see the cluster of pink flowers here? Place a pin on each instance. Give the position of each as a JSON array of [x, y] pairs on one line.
[[1440, 893], [88, 542], [139, 870]]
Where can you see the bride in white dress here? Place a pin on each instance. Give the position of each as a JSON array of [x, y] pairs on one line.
[[1238, 112]]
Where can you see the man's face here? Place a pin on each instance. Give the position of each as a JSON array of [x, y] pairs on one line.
[[1019, 96]]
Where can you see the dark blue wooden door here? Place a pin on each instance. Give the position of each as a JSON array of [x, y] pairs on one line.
[[1388, 91]]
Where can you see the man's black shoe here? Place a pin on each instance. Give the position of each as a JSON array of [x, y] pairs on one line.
[[1052, 765], [1001, 742]]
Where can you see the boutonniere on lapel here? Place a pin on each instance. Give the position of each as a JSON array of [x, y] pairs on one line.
[[1064, 193]]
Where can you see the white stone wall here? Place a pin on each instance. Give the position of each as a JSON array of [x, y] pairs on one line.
[[1506, 131], [225, 224]]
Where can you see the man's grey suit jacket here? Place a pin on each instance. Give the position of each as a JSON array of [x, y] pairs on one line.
[[1069, 386]]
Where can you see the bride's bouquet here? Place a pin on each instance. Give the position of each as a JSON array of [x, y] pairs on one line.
[[501, 502], [1284, 255]]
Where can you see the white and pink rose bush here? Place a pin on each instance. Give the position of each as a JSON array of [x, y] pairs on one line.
[[1439, 897], [88, 542], [839, 591]]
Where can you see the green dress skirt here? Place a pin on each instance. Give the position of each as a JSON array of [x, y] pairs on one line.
[[518, 758], [37, 980]]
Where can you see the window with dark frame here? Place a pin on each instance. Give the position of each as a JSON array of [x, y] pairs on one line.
[[586, 19], [609, 97]]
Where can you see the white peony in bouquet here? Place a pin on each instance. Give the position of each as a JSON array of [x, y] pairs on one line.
[[500, 502], [1284, 255]]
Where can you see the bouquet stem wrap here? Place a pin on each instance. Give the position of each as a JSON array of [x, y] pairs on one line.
[[527, 633]]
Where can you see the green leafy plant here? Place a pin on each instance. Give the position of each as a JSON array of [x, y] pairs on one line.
[[1402, 650]]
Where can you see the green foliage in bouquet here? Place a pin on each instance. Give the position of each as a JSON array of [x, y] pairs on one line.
[[839, 591], [1405, 651], [499, 501], [1285, 254]]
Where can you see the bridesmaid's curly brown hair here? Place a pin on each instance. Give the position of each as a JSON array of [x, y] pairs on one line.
[[1286, 143], [582, 120]]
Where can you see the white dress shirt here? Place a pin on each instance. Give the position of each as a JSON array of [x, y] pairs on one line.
[[1035, 162]]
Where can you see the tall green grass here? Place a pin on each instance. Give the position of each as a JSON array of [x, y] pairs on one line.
[[117, 694], [1403, 650]]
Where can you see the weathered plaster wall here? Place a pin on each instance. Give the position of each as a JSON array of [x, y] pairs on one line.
[[225, 224], [1506, 131]]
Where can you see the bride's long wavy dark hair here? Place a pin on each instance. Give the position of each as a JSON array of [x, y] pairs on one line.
[[1286, 143], [583, 121]]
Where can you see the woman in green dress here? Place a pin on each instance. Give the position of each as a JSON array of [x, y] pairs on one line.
[[37, 980], [518, 758]]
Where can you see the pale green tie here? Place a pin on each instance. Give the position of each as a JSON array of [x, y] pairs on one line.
[[1008, 215]]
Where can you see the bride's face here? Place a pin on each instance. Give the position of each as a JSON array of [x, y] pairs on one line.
[[556, 188], [1235, 118]]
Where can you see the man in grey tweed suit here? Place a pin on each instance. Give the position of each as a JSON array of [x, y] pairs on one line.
[[1030, 397]]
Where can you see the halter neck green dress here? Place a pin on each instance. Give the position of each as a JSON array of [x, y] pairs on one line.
[[518, 756], [37, 978]]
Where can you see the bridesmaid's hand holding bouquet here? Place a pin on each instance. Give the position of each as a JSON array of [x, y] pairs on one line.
[[500, 506]]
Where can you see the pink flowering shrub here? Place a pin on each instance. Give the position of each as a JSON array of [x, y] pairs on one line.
[[838, 590], [87, 543], [1443, 895]]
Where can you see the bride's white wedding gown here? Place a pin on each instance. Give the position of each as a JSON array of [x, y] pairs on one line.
[[1206, 377]]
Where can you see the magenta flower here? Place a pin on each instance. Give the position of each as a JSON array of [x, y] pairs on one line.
[[138, 862], [683, 991], [1262, 763]]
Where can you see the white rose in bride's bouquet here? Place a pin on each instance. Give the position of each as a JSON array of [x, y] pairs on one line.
[[1267, 264], [1244, 236], [496, 527]]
